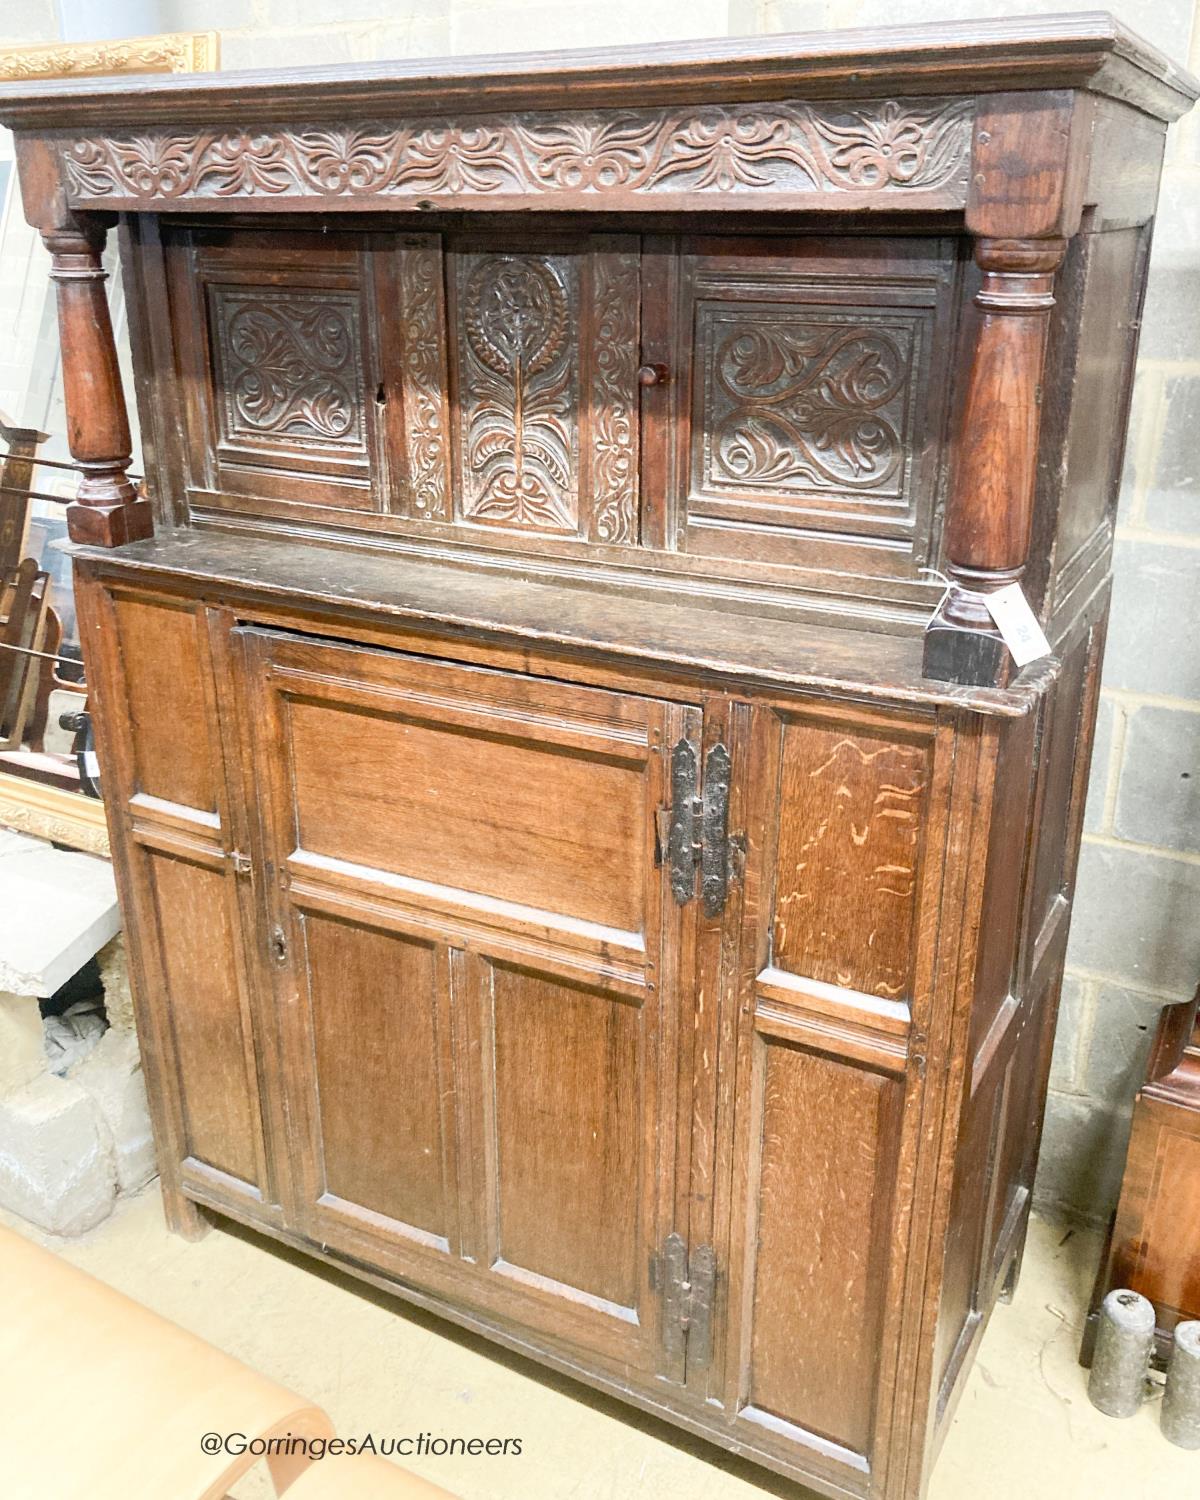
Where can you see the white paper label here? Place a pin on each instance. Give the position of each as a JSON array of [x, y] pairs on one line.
[[1018, 624]]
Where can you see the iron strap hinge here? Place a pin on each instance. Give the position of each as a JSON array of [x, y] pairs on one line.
[[688, 1287], [696, 833]]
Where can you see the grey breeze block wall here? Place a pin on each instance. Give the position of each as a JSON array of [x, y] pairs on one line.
[[1136, 933]]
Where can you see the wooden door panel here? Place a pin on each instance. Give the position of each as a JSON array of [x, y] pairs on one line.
[[807, 424], [373, 1000], [826, 1142], [202, 989], [500, 799], [474, 939], [567, 1105], [313, 370]]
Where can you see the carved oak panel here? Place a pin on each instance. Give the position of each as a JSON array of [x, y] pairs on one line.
[[887, 148], [288, 367], [806, 402], [546, 346], [806, 415]]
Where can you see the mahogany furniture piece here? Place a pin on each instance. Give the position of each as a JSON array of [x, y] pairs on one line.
[[1154, 1242], [582, 876]]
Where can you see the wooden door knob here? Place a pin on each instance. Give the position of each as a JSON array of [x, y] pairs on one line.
[[652, 375]]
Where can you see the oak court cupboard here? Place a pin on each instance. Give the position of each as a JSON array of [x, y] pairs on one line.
[[585, 870]]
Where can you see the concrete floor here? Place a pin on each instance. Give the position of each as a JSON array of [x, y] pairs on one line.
[[1024, 1427]]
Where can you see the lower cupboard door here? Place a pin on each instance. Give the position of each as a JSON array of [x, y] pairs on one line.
[[478, 968]]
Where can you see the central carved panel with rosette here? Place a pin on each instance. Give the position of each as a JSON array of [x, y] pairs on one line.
[[547, 358]]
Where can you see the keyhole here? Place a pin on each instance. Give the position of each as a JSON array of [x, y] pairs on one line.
[[380, 395]]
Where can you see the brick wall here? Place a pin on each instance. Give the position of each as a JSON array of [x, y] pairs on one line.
[[1136, 932]]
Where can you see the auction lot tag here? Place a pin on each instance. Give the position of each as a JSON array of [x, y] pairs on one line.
[[1018, 624]]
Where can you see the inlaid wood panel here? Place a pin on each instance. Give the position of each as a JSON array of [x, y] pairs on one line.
[[571, 1161], [202, 993], [804, 406], [373, 1013], [546, 352], [825, 1137], [847, 867], [173, 739]]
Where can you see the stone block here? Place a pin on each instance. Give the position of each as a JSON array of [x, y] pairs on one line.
[[1073, 1011], [118, 996], [111, 1076], [59, 909], [1154, 637], [1108, 719], [1134, 919], [1158, 798], [1172, 501], [56, 1168], [1119, 1045], [22, 1048], [1082, 1159]]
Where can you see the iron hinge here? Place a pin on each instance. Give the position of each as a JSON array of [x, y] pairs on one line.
[[694, 831], [688, 1288]]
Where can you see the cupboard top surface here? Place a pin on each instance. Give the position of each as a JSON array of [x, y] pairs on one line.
[[457, 600], [1088, 51]]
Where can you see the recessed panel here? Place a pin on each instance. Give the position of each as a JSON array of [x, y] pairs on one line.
[[851, 812], [203, 998], [164, 655], [487, 810], [827, 1152], [373, 1010], [569, 1141]]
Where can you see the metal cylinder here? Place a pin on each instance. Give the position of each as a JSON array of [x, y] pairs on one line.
[[1181, 1400], [1124, 1342]]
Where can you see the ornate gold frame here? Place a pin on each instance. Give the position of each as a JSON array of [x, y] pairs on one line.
[[173, 52], [28, 806]]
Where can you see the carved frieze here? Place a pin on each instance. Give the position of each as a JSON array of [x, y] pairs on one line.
[[884, 147]]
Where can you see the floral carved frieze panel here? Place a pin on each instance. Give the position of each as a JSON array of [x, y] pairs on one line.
[[807, 402], [520, 391], [289, 367], [887, 147]]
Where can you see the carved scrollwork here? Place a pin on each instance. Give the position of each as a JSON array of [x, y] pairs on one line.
[[614, 358], [887, 146], [520, 406], [424, 377], [799, 403], [290, 366]]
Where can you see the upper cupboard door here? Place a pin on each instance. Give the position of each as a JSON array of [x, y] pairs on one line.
[[809, 392], [478, 969], [312, 370]]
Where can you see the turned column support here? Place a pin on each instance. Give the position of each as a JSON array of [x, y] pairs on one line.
[[107, 510], [989, 519], [1025, 202]]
